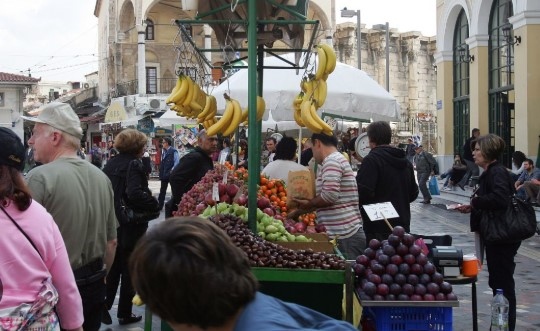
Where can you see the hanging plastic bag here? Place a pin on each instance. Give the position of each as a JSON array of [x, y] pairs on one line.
[[434, 186]]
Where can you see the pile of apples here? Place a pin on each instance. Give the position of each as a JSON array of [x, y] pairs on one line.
[[396, 269]]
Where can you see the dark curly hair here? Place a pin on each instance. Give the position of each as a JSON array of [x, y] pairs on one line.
[[286, 149], [13, 188]]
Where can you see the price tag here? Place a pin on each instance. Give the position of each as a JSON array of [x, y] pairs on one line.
[[225, 175], [215, 192], [380, 211]]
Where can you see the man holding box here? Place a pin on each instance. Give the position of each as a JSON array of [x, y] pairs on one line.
[[336, 199]]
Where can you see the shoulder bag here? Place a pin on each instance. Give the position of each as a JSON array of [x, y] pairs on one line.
[[516, 223], [130, 215]]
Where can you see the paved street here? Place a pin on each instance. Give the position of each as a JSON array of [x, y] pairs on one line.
[[434, 219]]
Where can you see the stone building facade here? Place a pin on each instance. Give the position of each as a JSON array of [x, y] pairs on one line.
[[412, 73]]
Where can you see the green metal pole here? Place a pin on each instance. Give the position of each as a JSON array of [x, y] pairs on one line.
[[253, 132]]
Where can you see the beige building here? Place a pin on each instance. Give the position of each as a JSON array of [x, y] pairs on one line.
[[488, 74]]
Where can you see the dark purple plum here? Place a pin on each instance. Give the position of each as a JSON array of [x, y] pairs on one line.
[[403, 297], [409, 259], [420, 289], [433, 288], [440, 297], [359, 269], [445, 287], [383, 259], [416, 297], [408, 239], [404, 269], [425, 279], [387, 279], [402, 250], [421, 259], [389, 250], [429, 297], [363, 260], [415, 250], [417, 269], [413, 279], [370, 253], [400, 279], [390, 297], [378, 252], [451, 297], [375, 279], [370, 289], [383, 289], [408, 289], [396, 259], [378, 297], [378, 269], [398, 231], [372, 263], [437, 278], [394, 240], [384, 242], [429, 268], [395, 289], [363, 282], [392, 269], [374, 244]]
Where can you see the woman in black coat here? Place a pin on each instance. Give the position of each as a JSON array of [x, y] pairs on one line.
[[130, 184], [493, 194]]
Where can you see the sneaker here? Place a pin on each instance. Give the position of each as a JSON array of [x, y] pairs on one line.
[[446, 188]]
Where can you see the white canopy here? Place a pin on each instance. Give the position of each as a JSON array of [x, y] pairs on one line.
[[170, 118], [352, 93]]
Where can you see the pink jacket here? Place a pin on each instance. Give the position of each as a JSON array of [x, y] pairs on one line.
[[22, 270]]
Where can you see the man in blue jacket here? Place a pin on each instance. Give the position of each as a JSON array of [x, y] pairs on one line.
[[169, 160]]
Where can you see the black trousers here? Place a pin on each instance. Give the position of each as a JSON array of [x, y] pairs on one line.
[[93, 297], [128, 235], [501, 267], [163, 192]]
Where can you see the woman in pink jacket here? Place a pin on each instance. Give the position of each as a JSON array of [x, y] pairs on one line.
[[37, 286]]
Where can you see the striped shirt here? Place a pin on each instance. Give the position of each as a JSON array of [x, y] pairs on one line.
[[336, 184]]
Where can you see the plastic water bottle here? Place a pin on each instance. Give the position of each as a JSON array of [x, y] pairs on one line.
[[499, 312]]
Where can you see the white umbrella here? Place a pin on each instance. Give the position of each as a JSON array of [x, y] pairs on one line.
[[170, 118], [352, 93]]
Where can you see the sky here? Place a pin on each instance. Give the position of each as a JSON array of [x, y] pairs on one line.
[[57, 39]]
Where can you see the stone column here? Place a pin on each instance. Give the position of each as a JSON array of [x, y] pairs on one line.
[[445, 94], [141, 59], [527, 84]]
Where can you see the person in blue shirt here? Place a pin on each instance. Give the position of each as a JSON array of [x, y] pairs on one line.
[[169, 159], [190, 273]]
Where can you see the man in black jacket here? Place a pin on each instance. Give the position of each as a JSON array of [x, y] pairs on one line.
[[385, 175], [191, 169], [169, 160]]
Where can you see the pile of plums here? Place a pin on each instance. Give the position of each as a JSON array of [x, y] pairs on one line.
[[262, 253], [396, 269]]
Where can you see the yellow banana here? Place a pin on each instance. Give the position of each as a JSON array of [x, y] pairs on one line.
[[180, 95], [261, 106], [325, 127], [331, 59], [202, 115], [174, 90], [297, 113], [137, 301], [320, 92], [191, 91], [321, 68], [298, 100], [213, 108], [307, 117], [245, 114], [308, 93], [224, 121], [235, 121]]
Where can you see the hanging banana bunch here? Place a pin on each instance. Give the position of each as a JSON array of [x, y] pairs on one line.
[[187, 98], [314, 91], [261, 106], [230, 120]]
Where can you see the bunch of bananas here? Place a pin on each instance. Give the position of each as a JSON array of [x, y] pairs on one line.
[[261, 106], [208, 115], [187, 98], [231, 119], [314, 92]]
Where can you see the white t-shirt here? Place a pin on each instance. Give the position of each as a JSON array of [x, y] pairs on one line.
[[280, 169]]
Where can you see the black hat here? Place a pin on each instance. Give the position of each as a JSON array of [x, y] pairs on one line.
[[12, 151]]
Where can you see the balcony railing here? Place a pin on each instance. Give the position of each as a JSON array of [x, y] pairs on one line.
[[155, 86]]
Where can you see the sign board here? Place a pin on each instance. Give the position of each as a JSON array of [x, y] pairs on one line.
[[115, 113], [379, 211], [439, 104]]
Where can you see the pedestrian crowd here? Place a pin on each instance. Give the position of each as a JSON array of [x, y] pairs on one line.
[[92, 237]]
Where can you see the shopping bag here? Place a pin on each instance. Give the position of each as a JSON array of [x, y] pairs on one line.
[[434, 186]]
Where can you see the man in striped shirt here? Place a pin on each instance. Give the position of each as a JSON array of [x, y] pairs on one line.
[[336, 199]]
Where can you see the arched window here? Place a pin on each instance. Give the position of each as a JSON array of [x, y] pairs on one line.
[[501, 80], [149, 34], [461, 83]]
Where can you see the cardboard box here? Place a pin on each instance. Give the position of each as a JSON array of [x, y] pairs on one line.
[[320, 243]]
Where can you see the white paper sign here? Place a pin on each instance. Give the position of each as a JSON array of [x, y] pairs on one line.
[[378, 211], [225, 175], [215, 192]]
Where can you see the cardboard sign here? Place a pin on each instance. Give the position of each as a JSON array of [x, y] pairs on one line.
[[380, 211], [299, 185]]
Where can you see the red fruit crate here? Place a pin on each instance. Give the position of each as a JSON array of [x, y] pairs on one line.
[[387, 318]]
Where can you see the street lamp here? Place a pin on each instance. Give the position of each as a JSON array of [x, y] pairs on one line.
[[351, 13], [387, 29]]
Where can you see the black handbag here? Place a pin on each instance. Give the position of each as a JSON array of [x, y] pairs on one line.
[[516, 223], [133, 216]]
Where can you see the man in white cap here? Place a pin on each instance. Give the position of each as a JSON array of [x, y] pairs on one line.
[[80, 198]]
